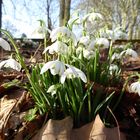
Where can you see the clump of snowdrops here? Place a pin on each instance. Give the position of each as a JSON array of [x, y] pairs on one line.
[[63, 85]]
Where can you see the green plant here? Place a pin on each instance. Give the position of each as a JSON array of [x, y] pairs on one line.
[[67, 83]]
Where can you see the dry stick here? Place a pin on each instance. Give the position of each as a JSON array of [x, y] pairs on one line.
[[115, 121], [36, 52]]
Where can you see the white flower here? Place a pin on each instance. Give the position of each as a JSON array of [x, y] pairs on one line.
[[115, 34], [93, 16], [10, 63], [135, 87], [109, 34], [102, 42], [56, 67], [52, 89], [5, 45], [116, 56], [75, 19], [113, 69], [57, 47], [118, 34], [65, 33], [85, 40], [72, 72], [129, 52], [88, 54]]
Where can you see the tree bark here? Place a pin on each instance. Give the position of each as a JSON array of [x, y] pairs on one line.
[[48, 15], [67, 11], [64, 13], [0, 15]]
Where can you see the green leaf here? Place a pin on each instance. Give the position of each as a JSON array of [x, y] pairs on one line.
[[103, 102], [31, 114]]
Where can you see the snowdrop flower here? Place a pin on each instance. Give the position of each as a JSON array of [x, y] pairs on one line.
[[109, 34], [88, 54], [116, 56], [118, 34], [65, 33], [102, 42], [52, 89], [113, 69], [57, 47], [115, 34], [129, 52], [72, 72], [75, 19], [10, 63], [135, 87], [85, 40], [92, 17], [56, 67], [5, 45]]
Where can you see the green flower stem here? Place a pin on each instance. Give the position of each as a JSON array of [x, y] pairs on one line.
[[122, 93], [21, 61], [95, 64], [45, 46], [89, 105]]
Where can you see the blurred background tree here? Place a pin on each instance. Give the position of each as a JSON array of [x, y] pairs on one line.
[[116, 13], [0, 14]]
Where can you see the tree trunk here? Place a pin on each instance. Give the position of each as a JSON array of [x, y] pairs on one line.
[[67, 11], [0, 15], [64, 12], [48, 15]]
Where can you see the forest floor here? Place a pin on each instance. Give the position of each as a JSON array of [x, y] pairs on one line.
[[15, 101]]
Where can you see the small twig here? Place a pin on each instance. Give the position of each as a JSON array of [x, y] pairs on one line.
[[115, 121], [36, 52]]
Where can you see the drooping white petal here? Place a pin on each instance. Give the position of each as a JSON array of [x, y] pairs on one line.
[[116, 56], [46, 66], [72, 72], [51, 89], [129, 52], [102, 42], [46, 49], [82, 76], [85, 40], [88, 54], [135, 87], [5, 45], [113, 69], [62, 78], [56, 67], [10, 63], [92, 17], [65, 33]]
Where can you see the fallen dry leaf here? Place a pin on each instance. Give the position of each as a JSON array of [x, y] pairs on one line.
[[62, 130], [6, 107]]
